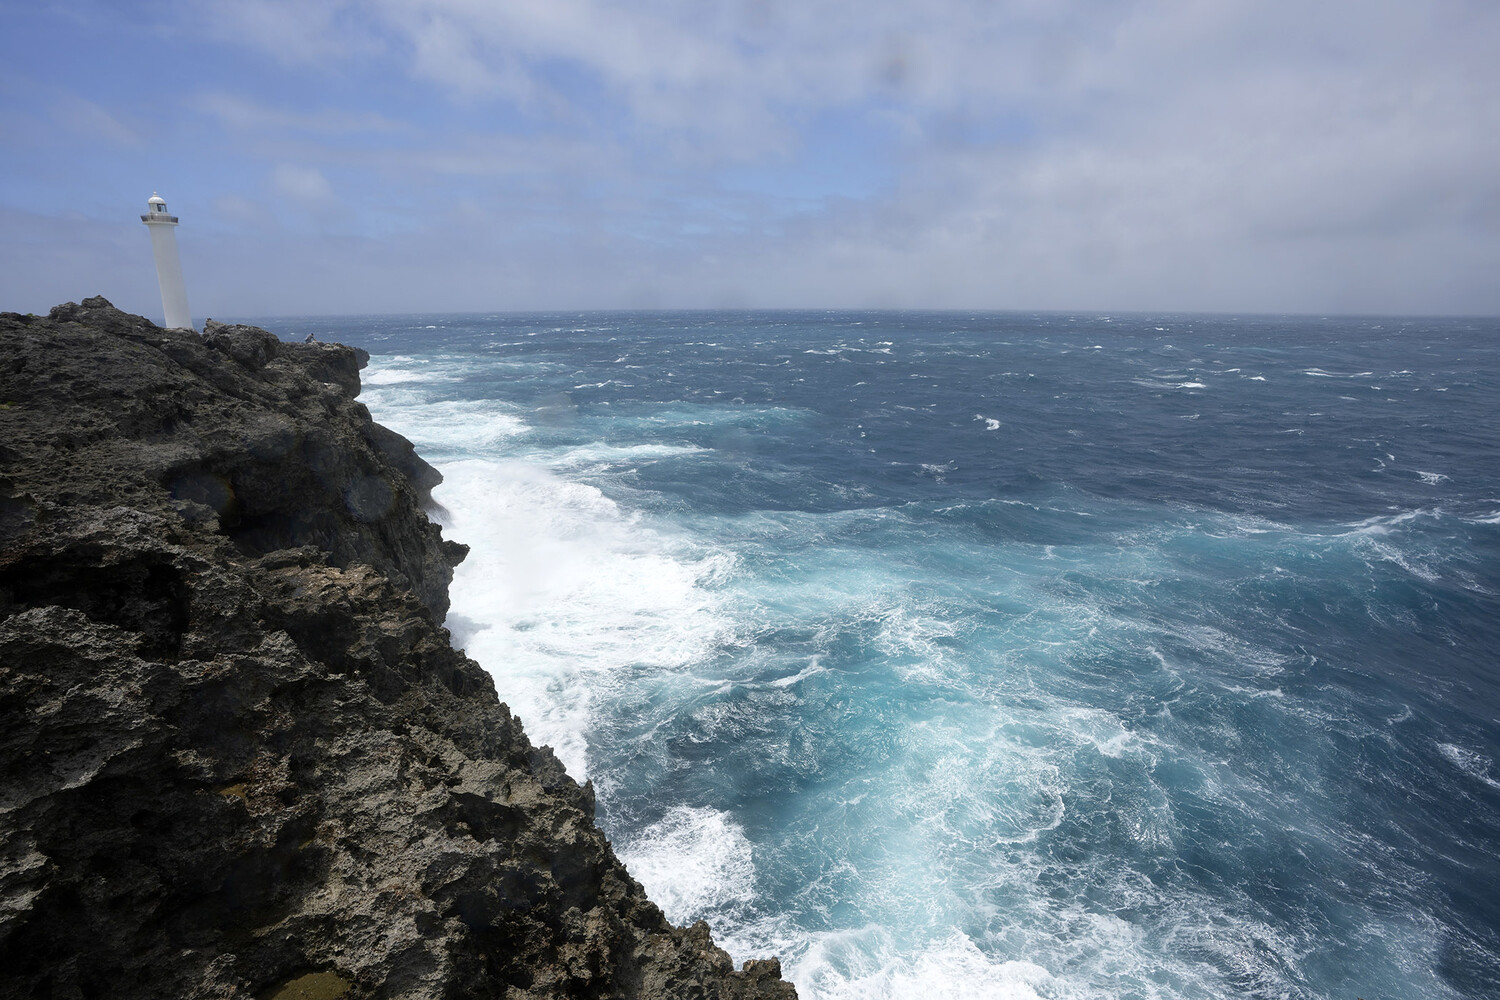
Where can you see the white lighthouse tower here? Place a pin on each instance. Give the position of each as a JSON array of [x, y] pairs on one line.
[[168, 266]]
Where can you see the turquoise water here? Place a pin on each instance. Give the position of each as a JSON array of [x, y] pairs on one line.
[[996, 655]]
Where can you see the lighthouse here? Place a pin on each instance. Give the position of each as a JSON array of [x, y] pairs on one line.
[[168, 266]]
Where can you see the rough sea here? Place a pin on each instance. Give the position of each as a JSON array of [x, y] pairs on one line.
[[953, 655]]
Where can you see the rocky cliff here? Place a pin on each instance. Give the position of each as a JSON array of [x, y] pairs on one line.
[[238, 755]]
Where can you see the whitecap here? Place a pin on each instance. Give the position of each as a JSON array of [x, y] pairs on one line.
[[1256, 692], [393, 376], [694, 862], [448, 426], [563, 588], [865, 965], [912, 634], [1470, 762], [813, 668], [598, 452], [1381, 524]]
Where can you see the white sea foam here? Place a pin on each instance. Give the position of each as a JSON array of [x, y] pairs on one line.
[[916, 639], [813, 668], [865, 965], [694, 863], [1407, 560], [1471, 762], [447, 426], [393, 376], [1250, 692], [1381, 524], [1382, 540], [597, 452], [1432, 478], [563, 587]]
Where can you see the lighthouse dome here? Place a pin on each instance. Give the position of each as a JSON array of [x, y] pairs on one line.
[[156, 199]]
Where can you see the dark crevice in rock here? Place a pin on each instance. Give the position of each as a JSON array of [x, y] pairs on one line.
[[145, 595]]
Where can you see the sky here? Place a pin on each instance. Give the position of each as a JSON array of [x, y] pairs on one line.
[[377, 156]]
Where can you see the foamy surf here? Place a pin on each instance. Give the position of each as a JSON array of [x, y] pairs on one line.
[[562, 587], [695, 863], [866, 965]]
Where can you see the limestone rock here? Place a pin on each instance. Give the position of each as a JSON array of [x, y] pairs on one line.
[[238, 754]]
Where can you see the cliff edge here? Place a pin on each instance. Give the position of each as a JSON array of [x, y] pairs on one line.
[[238, 754]]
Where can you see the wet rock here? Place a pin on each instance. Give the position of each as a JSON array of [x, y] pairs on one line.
[[238, 753]]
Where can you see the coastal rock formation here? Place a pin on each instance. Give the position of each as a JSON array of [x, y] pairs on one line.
[[238, 755]]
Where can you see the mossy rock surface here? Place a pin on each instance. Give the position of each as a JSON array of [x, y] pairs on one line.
[[313, 986]]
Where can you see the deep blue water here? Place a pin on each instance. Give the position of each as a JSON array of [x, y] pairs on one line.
[[998, 655]]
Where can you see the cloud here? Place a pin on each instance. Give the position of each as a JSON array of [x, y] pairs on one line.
[[304, 184], [242, 212], [95, 122], [291, 31], [244, 114]]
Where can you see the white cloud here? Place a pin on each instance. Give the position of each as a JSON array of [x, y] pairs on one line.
[[239, 211], [90, 119], [292, 31], [241, 113], [305, 184]]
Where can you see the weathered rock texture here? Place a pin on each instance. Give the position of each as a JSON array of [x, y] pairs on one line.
[[238, 755]]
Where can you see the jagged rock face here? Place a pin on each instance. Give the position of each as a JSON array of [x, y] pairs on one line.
[[262, 438], [238, 755]]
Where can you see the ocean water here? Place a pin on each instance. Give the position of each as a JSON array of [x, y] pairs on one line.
[[999, 655]]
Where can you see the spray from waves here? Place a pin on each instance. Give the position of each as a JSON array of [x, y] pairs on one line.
[[598, 456], [695, 863], [394, 376], [1471, 762], [447, 429], [562, 589], [866, 964]]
